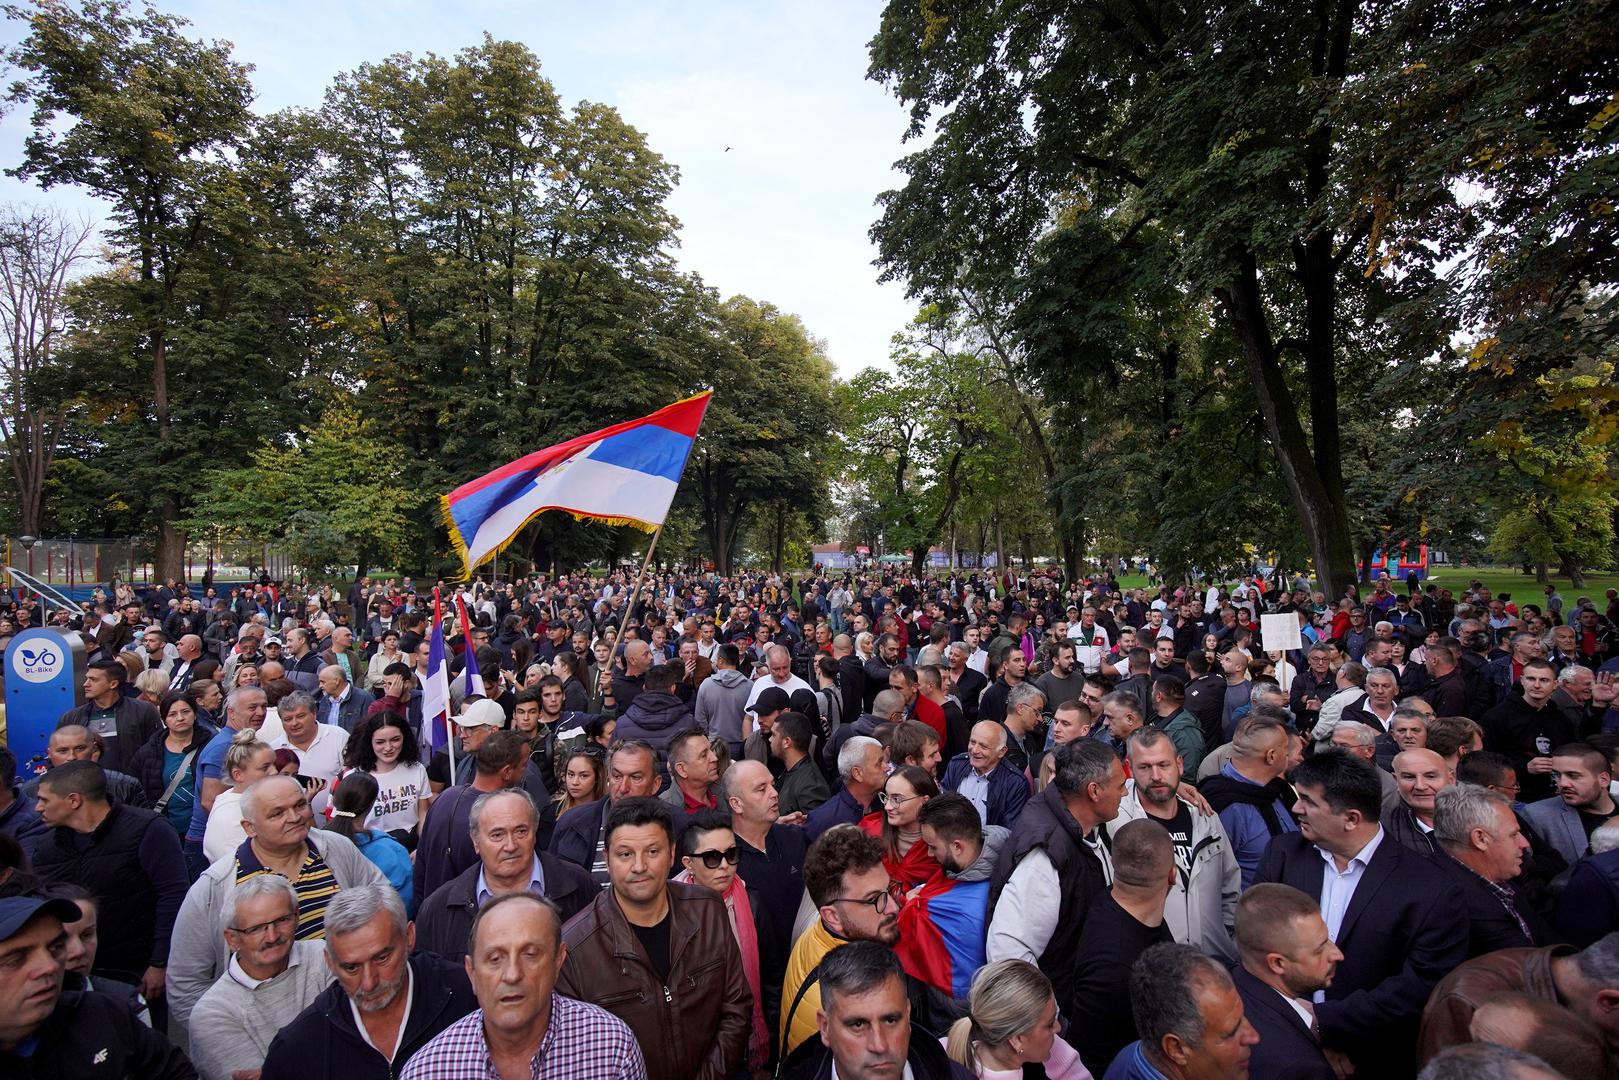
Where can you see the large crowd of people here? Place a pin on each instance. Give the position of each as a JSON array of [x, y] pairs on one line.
[[838, 825]]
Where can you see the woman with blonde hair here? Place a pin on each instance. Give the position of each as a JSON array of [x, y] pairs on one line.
[[1012, 1021], [249, 758], [153, 684]]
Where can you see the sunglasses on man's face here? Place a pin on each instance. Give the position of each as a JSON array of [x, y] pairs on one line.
[[711, 859]]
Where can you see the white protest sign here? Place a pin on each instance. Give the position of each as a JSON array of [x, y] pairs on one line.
[[1280, 633]]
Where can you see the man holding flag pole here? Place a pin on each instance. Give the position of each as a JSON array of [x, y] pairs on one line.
[[436, 689], [626, 474]]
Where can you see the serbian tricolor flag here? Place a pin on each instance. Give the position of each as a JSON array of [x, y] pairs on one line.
[[436, 684], [941, 933], [622, 475], [469, 654]]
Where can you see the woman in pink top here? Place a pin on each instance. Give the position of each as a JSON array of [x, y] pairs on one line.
[[997, 1039]]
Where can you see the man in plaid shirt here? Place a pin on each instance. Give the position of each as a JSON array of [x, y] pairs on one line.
[[523, 1028]]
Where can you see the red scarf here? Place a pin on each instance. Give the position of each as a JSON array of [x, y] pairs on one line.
[[747, 939]]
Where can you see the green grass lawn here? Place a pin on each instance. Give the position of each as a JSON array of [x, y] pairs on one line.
[[1521, 586], [1497, 579]]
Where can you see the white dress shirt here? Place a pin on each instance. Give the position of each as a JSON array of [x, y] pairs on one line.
[[1338, 888]]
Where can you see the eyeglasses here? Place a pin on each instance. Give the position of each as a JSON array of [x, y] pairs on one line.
[[885, 799], [895, 893], [256, 930], [712, 858]]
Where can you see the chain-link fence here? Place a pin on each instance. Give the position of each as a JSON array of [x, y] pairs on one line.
[[78, 565]]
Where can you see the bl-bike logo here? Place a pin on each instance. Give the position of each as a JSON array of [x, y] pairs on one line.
[[38, 662]]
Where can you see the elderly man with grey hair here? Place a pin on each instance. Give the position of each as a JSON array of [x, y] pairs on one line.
[[275, 812], [779, 673], [1483, 847], [985, 776], [342, 704], [503, 826], [1361, 741], [269, 980], [862, 765], [386, 1003]]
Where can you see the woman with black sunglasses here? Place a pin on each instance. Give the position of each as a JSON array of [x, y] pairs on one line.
[[709, 854]]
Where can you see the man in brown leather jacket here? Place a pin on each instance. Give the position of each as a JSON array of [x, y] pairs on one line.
[[1586, 982], [659, 955]]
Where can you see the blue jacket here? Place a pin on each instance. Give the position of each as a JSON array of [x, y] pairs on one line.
[[1589, 906], [840, 809], [390, 856], [350, 714], [22, 823], [1008, 789], [1132, 1064], [1245, 827]]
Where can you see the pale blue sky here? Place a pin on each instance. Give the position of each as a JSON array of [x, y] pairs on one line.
[[781, 217]]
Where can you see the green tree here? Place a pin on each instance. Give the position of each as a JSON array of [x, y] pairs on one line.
[[336, 495], [1217, 129], [763, 439], [142, 116]]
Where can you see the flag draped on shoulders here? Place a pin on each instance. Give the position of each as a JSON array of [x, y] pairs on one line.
[[941, 933], [622, 475]]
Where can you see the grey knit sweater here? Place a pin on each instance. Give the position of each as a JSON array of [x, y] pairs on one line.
[[231, 1026]]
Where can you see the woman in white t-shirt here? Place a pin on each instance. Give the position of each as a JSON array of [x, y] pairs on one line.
[[385, 747]]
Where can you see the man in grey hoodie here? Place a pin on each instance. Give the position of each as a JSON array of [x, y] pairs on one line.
[[955, 900], [722, 698]]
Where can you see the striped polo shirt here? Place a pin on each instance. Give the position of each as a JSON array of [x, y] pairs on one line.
[[315, 886]]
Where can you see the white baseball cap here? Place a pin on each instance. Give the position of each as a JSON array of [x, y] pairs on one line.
[[483, 713]]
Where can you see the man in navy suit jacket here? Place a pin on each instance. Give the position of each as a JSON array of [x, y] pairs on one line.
[[1286, 957], [1400, 921]]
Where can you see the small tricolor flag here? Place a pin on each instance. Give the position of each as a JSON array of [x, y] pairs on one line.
[[436, 684], [469, 654], [622, 475]]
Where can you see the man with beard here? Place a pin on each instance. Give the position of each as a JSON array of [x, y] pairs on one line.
[[1526, 727], [856, 901], [386, 1003], [1287, 957], [1203, 897]]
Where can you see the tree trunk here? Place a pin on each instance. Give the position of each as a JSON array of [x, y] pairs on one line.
[[1317, 496], [778, 539], [1541, 576], [717, 528], [1000, 547]]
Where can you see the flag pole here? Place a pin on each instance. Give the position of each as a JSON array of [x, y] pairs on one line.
[[635, 592], [449, 729]]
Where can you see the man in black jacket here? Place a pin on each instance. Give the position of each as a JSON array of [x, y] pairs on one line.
[[79, 1034], [1287, 958], [862, 985], [127, 858], [503, 825], [403, 999], [1483, 849], [1399, 919], [124, 723], [1122, 924]]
